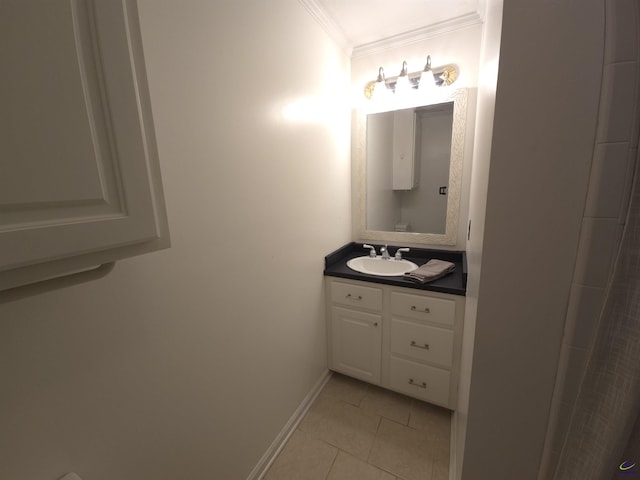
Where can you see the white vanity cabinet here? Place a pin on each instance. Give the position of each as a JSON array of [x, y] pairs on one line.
[[79, 175], [404, 339]]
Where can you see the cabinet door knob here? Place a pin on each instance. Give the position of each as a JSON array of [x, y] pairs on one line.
[[415, 309], [359, 297], [414, 344], [375, 324]]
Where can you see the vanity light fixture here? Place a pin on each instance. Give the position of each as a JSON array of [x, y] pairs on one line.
[[422, 80]]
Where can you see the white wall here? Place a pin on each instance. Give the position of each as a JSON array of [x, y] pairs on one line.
[[543, 136], [487, 84], [186, 363]]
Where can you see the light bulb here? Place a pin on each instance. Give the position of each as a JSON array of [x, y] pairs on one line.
[[427, 80], [403, 86]]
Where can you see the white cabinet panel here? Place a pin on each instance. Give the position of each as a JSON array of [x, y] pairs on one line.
[[76, 136], [420, 381], [356, 341], [421, 307], [422, 342], [356, 295], [405, 165]]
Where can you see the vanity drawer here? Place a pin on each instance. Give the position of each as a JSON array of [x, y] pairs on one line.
[[437, 310], [420, 381], [356, 296], [422, 342]]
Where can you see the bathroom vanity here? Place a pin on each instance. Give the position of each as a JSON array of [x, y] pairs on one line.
[[393, 332]]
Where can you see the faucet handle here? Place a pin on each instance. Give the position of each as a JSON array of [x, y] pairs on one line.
[[372, 252], [399, 252]]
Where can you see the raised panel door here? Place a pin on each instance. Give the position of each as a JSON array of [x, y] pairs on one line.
[[356, 343], [75, 139]]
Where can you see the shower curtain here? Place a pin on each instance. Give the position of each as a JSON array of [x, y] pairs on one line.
[[603, 440]]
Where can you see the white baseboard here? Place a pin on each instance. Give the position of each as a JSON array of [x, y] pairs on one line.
[[453, 464], [278, 444]]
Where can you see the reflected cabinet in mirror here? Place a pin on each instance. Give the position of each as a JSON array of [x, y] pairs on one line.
[[409, 167]]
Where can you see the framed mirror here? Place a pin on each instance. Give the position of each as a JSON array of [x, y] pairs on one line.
[[408, 166]]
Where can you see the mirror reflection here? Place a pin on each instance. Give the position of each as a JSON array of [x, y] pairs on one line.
[[408, 161], [409, 165]]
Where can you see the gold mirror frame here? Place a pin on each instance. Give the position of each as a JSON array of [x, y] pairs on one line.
[[359, 152]]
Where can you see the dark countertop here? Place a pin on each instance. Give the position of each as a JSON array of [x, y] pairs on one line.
[[335, 265]]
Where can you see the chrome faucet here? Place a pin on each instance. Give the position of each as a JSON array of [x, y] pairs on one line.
[[372, 252], [384, 251], [399, 253]]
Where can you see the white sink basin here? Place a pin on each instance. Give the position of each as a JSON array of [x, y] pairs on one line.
[[378, 266]]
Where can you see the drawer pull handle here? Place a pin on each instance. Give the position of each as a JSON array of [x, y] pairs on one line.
[[415, 309], [359, 297], [375, 324], [415, 384], [414, 344]]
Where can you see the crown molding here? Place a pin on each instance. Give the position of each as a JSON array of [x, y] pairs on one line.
[[328, 24], [417, 35]]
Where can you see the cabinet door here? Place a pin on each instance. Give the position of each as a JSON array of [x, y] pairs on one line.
[[357, 343], [76, 139]]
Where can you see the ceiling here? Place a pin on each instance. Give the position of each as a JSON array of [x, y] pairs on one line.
[[366, 21]]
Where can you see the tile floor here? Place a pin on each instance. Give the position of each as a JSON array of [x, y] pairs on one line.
[[357, 431]]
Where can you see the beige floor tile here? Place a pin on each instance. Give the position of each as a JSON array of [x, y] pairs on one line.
[[425, 416], [406, 452], [387, 404], [348, 467], [347, 389], [303, 458], [342, 425]]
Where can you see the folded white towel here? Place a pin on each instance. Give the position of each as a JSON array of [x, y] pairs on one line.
[[431, 270]]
